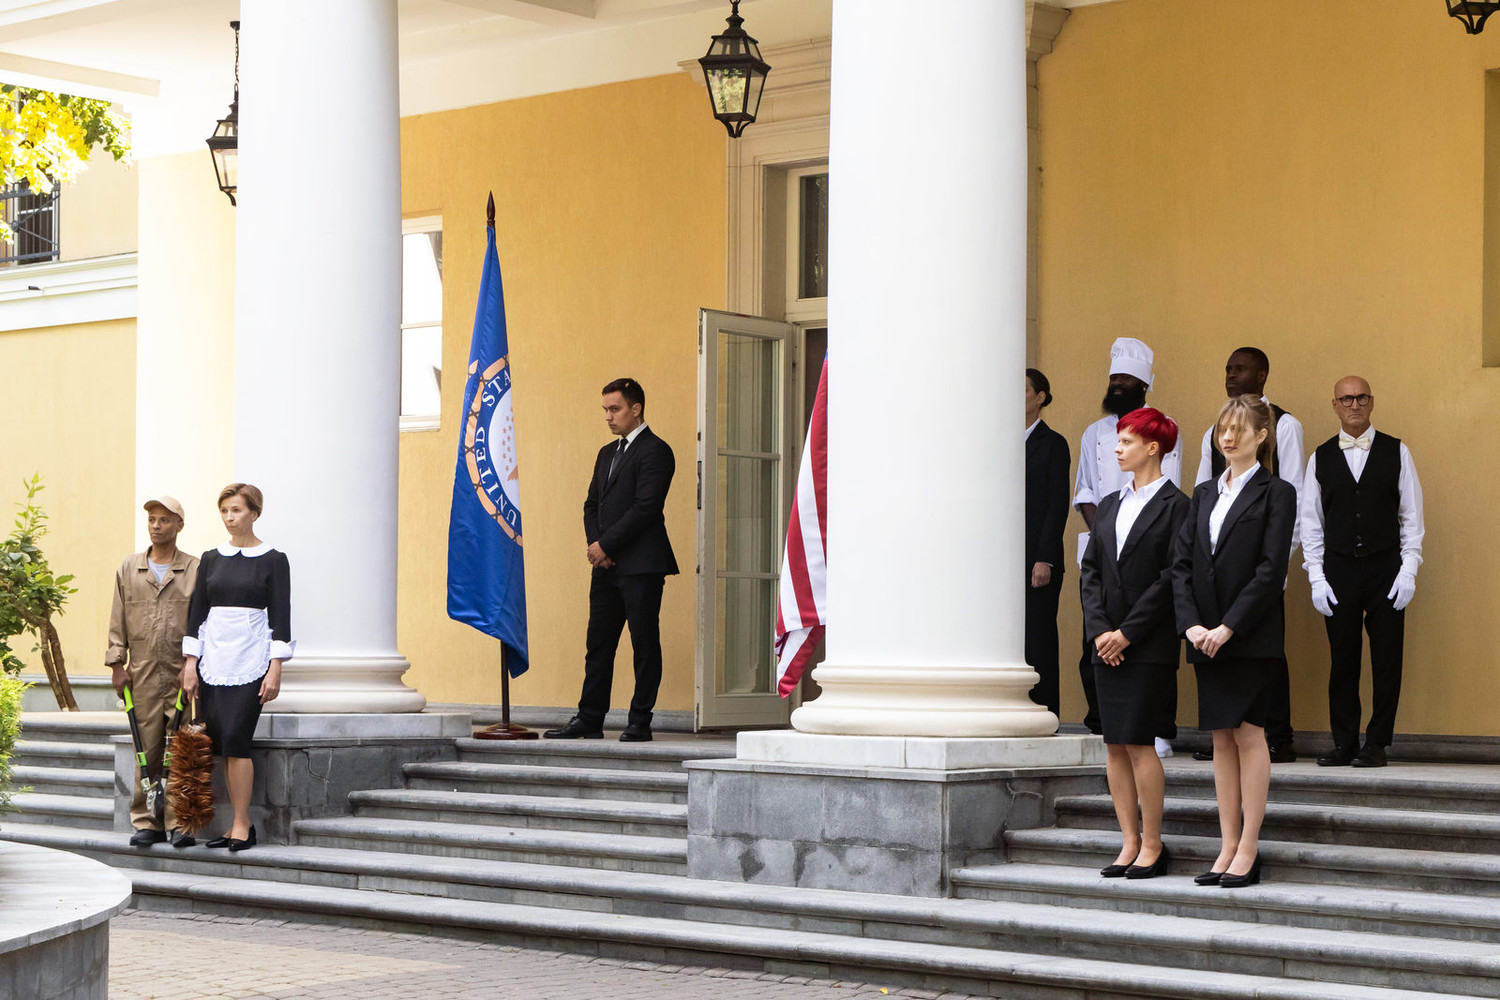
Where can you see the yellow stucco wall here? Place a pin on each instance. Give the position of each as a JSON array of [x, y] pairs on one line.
[[1309, 181], [98, 211], [610, 223], [73, 420]]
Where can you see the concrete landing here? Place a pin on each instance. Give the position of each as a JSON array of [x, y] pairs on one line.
[[54, 924]]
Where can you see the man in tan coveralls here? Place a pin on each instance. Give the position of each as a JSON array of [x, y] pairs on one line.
[[146, 624]]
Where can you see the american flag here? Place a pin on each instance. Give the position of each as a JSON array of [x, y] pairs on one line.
[[802, 606]]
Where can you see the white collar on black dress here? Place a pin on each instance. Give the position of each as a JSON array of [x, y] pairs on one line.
[[234, 550]]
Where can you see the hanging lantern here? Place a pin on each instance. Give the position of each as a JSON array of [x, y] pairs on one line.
[[1472, 12], [224, 144], [735, 74]]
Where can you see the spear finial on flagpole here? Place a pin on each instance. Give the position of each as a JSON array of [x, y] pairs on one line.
[[489, 211]]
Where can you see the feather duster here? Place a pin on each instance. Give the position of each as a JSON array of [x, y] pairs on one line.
[[190, 789]]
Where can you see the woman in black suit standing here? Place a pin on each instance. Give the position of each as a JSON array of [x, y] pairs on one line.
[[1229, 565], [1047, 467], [1127, 615]]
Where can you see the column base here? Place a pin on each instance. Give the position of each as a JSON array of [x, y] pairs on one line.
[[979, 701], [336, 685]]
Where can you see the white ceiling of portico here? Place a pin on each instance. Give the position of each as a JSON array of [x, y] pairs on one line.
[[171, 62]]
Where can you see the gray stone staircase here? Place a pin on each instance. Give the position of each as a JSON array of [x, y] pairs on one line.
[[67, 763], [579, 846]]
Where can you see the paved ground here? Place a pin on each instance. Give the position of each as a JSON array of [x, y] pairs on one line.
[[156, 956]]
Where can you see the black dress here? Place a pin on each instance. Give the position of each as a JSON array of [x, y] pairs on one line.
[[239, 620], [1237, 583], [1132, 592]]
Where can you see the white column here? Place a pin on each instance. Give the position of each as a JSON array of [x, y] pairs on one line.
[[318, 286], [927, 325]]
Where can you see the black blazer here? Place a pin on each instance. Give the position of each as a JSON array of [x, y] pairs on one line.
[[1047, 495], [623, 512], [1240, 585], [1134, 592]]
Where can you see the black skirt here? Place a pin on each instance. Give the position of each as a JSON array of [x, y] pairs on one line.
[[1137, 701], [1233, 691], [230, 713]]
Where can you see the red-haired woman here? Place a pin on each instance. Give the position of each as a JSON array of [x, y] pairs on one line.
[[1127, 614], [1229, 565]]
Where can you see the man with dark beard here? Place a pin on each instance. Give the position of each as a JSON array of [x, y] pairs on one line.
[[1099, 475]]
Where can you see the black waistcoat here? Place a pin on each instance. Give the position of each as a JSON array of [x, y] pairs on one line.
[[1361, 518], [1216, 457]]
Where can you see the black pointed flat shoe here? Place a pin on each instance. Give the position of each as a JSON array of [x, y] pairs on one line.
[[1209, 877], [243, 845], [1115, 871], [1157, 867], [1251, 877]]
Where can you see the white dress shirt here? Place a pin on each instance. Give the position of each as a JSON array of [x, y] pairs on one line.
[[1099, 472], [1289, 461], [1229, 492], [1032, 427], [1413, 529], [1132, 502]]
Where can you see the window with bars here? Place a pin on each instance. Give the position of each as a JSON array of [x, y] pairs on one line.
[[33, 221]]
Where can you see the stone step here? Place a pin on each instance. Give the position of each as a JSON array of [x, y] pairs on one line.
[[662, 855], [991, 971], [1234, 949], [66, 810], [1400, 787], [1468, 833], [1394, 911], [549, 812], [74, 727], [1306, 864], [523, 779], [659, 755], [46, 753], [65, 781]]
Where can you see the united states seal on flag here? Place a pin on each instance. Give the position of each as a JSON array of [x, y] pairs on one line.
[[801, 608]]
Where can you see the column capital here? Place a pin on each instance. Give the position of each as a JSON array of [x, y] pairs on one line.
[[1043, 24]]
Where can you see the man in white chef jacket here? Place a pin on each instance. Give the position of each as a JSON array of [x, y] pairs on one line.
[[1099, 475]]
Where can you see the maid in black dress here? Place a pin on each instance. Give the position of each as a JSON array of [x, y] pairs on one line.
[[1229, 566], [238, 634], [1126, 584]]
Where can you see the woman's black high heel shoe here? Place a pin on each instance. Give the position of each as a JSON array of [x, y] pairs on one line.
[[1157, 867], [243, 845], [1115, 871], [1208, 878], [1251, 877]]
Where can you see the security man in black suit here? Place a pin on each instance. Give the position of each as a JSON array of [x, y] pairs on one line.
[[1048, 464], [632, 556]]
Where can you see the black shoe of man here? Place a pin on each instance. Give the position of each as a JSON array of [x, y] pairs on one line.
[[1283, 753], [179, 839], [1370, 756], [1204, 754], [145, 838], [574, 730], [1341, 757], [636, 734]]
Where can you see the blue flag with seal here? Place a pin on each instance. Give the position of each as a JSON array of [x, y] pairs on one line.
[[486, 568]]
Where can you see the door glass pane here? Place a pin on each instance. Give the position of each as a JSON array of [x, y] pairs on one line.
[[812, 267], [749, 393], [748, 614], [747, 515]]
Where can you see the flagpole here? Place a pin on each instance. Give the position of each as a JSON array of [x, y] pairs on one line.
[[504, 730]]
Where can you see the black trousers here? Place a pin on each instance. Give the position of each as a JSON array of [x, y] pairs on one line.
[[1360, 586], [1042, 653], [614, 602]]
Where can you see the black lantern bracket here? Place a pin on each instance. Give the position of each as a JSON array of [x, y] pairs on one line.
[[735, 74], [1472, 13]]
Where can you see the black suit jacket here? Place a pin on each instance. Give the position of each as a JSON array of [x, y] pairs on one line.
[[1133, 593], [623, 512], [1047, 466], [1240, 585]]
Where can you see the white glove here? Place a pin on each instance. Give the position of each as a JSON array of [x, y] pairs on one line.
[[1322, 597], [1402, 591]]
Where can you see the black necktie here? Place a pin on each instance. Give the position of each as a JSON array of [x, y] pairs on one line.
[[616, 459]]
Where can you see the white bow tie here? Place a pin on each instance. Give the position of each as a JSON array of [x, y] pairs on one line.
[[1346, 442]]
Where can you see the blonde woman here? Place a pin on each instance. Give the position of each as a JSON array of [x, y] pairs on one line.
[[1229, 564], [239, 633]]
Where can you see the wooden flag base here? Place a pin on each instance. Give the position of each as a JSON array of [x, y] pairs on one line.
[[505, 729]]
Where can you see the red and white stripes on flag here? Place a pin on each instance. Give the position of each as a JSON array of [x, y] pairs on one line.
[[801, 608]]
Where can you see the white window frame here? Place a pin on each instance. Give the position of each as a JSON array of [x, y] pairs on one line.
[[418, 226], [807, 312]]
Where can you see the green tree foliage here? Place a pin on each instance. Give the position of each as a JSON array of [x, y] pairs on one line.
[[11, 689], [30, 594], [47, 138]]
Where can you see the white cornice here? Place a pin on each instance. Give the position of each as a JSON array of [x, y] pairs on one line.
[[69, 292]]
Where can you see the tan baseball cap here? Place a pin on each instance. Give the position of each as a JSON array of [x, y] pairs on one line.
[[168, 502]]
